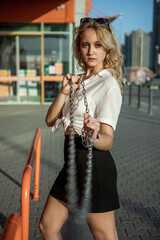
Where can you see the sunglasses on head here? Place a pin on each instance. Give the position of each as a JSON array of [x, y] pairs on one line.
[[97, 20]]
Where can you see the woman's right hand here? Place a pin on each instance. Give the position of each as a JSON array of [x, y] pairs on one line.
[[76, 81]]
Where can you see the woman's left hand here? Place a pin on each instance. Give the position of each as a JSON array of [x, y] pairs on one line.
[[90, 122]]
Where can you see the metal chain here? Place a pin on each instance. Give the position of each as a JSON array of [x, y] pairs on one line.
[[87, 140], [72, 170]]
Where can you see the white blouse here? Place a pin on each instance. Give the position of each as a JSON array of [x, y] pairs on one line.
[[104, 102]]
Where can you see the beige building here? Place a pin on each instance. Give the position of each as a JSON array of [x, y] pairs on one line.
[[138, 49]]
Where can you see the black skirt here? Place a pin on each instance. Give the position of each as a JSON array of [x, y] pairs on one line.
[[104, 178]]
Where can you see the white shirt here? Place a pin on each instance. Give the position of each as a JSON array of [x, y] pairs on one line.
[[104, 102]]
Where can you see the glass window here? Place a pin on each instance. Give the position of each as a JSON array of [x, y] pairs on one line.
[[30, 53], [30, 67], [8, 85], [56, 62], [56, 51], [7, 54], [56, 27], [17, 27]]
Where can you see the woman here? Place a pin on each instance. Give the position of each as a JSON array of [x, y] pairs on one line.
[[98, 54]]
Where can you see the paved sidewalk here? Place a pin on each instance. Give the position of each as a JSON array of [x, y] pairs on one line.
[[144, 105], [136, 151]]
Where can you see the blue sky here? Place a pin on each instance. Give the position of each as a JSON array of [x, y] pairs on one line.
[[137, 14]]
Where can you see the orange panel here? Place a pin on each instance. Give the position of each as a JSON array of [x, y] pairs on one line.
[[59, 68], [25, 78], [34, 79], [53, 78], [57, 11]]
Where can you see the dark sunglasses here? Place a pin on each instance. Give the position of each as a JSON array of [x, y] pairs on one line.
[[97, 20]]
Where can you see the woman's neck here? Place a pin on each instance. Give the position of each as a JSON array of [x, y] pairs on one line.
[[91, 71]]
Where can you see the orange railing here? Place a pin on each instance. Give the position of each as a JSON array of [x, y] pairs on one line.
[[12, 229], [26, 179], [21, 226]]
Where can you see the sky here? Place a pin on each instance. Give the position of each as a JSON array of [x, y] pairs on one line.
[[136, 15]]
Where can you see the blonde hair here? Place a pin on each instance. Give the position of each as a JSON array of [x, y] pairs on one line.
[[113, 60]]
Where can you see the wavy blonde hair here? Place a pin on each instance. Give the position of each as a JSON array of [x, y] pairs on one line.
[[113, 60]]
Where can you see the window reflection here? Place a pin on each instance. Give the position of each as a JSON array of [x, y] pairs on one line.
[[56, 61], [30, 54], [7, 68], [30, 64]]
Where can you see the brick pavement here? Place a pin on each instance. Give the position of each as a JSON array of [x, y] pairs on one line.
[[136, 151]]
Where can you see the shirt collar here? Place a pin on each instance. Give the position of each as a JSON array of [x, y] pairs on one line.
[[103, 72]]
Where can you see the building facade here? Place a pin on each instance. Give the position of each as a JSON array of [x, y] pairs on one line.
[[138, 49], [36, 47], [156, 38]]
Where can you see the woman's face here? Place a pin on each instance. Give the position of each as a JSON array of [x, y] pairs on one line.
[[91, 50]]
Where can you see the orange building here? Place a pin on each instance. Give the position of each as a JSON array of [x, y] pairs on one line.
[[35, 47]]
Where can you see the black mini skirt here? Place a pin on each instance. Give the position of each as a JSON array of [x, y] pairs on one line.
[[104, 178]]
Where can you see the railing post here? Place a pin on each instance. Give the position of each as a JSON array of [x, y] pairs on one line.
[[25, 198], [37, 170], [34, 155], [130, 93], [17, 227], [12, 228], [139, 96], [150, 100]]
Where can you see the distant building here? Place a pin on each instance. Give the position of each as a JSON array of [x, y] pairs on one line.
[[127, 51], [156, 37], [138, 49]]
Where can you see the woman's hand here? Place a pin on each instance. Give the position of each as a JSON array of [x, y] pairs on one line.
[[76, 81], [90, 122], [104, 131]]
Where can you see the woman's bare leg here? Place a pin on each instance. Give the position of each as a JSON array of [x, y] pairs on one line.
[[54, 215], [102, 225]]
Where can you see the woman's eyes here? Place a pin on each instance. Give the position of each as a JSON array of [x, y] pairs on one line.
[[84, 45], [97, 45]]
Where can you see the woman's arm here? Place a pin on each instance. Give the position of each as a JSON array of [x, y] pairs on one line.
[[105, 139], [55, 109]]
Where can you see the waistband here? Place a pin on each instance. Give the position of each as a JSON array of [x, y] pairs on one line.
[[77, 140], [78, 143]]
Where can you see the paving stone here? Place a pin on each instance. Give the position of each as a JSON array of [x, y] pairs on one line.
[[154, 233], [137, 232], [144, 225], [149, 238], [129, 238]]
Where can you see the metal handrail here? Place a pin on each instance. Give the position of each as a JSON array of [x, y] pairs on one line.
[[17, 225], [26, 179], [12, 229]]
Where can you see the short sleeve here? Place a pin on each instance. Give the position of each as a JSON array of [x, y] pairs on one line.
[[57, 125], [109, 106], [60, 121]]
